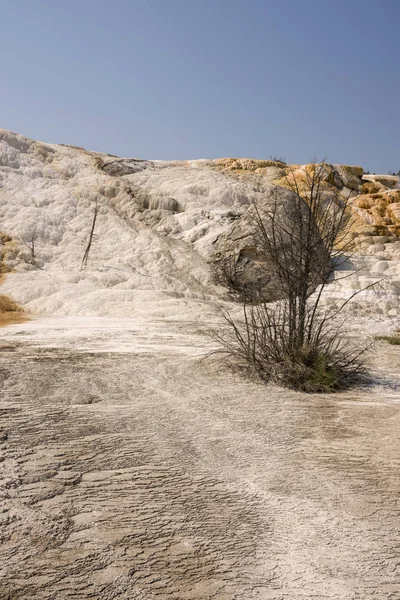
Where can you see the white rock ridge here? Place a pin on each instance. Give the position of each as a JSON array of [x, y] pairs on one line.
[[156, 225], [154, 237]]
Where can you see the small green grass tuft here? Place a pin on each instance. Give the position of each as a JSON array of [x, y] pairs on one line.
[[311, 371], [390, 339]]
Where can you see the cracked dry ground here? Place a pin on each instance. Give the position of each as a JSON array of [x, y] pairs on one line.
[[137, 476]]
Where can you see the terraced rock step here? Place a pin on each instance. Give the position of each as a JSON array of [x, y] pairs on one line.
[[376, 275]]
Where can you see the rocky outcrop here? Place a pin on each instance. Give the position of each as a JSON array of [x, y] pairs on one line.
[[377, 213], [388, 181], [341, 179], [242, 264]]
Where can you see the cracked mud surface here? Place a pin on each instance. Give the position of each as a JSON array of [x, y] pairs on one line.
[[154, 475]]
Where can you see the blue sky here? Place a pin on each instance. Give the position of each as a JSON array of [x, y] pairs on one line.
[[206, 78]]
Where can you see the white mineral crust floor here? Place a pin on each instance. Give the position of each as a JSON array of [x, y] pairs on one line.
[[133, 469]]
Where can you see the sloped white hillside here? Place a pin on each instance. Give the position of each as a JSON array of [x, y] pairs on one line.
[[156, 230]]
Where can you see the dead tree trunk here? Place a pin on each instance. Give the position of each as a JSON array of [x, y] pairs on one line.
[[89, 245]]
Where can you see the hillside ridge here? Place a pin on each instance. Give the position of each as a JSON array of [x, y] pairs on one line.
[[160, 226]]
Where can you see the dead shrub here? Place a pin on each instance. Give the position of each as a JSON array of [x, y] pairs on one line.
[[295, 342]]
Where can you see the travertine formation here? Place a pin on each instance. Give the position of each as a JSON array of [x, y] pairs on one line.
[[161, 226], [129, 468]]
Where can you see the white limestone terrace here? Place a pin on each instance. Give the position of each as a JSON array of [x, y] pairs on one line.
[[47, 199], [373, 277], [154, 235]]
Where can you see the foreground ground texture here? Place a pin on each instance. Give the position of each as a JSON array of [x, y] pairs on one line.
[[133, 470]]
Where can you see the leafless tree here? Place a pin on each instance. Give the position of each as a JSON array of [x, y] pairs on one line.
[[29, 239], [91, 234], [296, 342]]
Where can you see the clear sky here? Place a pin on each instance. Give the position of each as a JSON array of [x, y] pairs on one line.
[[206, 78]]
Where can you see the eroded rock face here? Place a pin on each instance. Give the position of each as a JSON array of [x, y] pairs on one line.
[[242, 264]]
